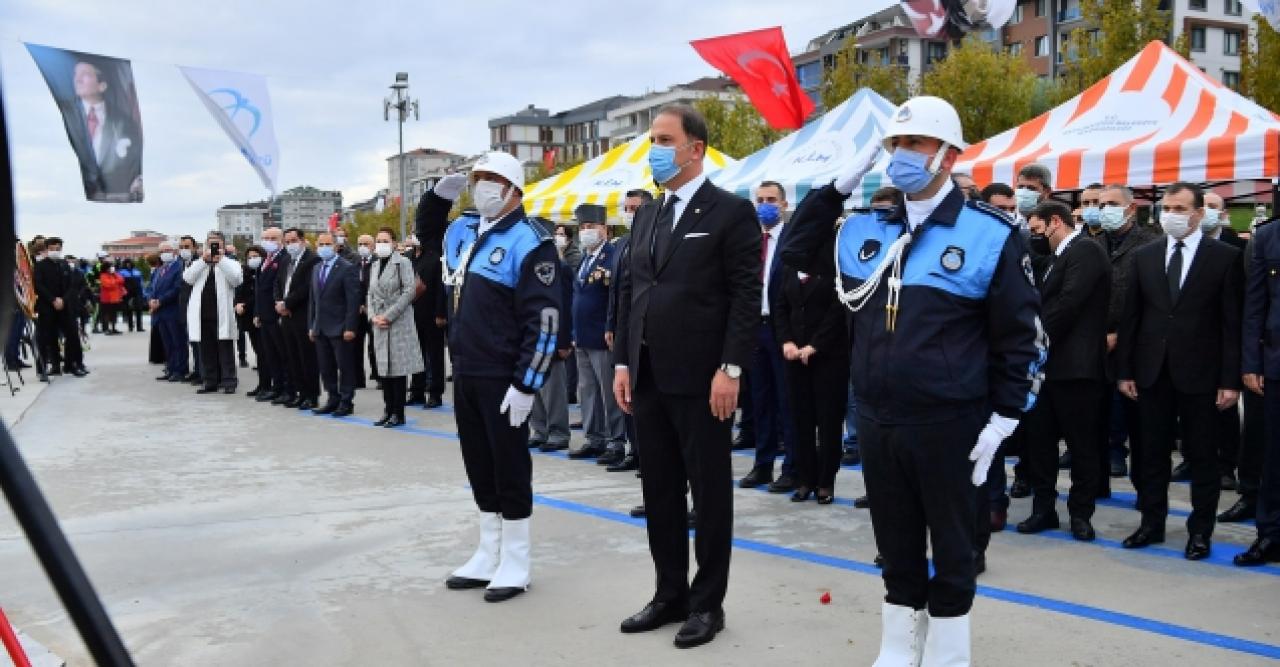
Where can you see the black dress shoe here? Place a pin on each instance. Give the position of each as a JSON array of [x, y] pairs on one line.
[[1082, 530], [744, 441], [1243, 510], [416, 399], [383, 422], [433, 402], [501, 594], [191, 377], [610, 458], [862, 502], [536, 444], [207, 390], [464, 583], [282, 398], [553, 446], [265, 397], [1143, 537], [252, 393], [638, 512], [801, 494], [1019, 489], [784, 484], [163, 378], [701, 628], [1228, 482], [79, 372], [1198, 547], [292, 402], [1264, 550], [394, 421], [1039, 522], [1181, 472], [228, 390], [326, 409], [343, 410], [176, 378], [308, 404], [850, 458], [1064, 461], [628, 462], [587, 452], [653, 616], [758, 476]]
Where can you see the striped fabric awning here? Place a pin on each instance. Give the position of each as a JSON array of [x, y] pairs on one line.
[[1155, 120], [602, 180], [812, 156]]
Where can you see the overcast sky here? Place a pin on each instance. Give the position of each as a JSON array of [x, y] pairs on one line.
[[328, 65]]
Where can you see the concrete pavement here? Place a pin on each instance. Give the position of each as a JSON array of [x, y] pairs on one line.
[[220, 531]]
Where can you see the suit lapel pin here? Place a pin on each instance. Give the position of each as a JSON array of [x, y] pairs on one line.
[[697, 210]]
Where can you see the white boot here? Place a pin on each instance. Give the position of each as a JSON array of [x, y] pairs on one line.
[[512, 577], [479, 570], [948, 642], [902, 637]]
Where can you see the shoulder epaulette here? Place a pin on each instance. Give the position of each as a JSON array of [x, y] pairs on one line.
[[984, 207], [541, 228]]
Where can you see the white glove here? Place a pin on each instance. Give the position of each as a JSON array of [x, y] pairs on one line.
[[516, 405], [858, 167], [994, 433], [450, 186]]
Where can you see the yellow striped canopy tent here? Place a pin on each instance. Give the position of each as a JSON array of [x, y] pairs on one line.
[[602, 180]]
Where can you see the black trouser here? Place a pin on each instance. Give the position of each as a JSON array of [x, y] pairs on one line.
[[495, 454], [259, 354], [681, 442], [337, 362], [747, 408], [818, 401], [1269, 490], [1227, 429], [107, 315], [393, 389], [156, 354], [240, 343], [373, 352], [982, 517], [918, 479], [358, 353], [217, 357], [1066, 410], [301, 353], [1163, 408], [276, 356], [1253, 444], [134, 317], [50, 324]]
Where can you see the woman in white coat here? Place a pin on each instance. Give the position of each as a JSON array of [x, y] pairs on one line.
[[397, 352], [211, 315]]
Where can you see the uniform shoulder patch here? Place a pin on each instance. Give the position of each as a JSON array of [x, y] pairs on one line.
[[992, 211], [545, 272]]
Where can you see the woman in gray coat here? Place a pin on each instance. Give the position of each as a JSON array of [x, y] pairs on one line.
[[398, 355]]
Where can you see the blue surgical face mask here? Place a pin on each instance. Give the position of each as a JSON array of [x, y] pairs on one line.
[[1111, 218], [662, 160], [1212, 219], [325, 252], [908, 170], [1092, 216], [1026, 198], [769, 214]]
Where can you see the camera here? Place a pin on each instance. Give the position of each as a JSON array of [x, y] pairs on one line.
[[215, 248]]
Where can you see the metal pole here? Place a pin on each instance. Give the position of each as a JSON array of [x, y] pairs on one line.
[[401, 107]]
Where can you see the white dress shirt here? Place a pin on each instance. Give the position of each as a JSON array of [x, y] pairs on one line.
[[685, 193], [100, 109], [768, 264], [1190, 244]]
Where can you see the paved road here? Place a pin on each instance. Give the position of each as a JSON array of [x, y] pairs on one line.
[[223, 532]]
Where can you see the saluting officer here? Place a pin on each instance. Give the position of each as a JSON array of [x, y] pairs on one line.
[[504, 324], [947, 350]]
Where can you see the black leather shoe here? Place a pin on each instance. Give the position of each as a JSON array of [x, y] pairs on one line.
[[638, 512], [343, 410], [463, 583], [386, 416], [1143, 537], [253, 393], [163, 378], [309, 404], [283, 398], [1228, 482], [1181, 472], [1264, 550], [394, 421], [801, 494], [587, 452], [784, 484], [326, 409], [1039, 522], [1243, 510], [610, 458], [228, 390], [862, 502], [1064, 460], [1198, 547], [501, 594], [628, 462], [744, 441], [701, 628], [1019, 489], [172, 378], [207, 390], [850, 458], [265, 397], [292, 402], [416, 399], [1082, 530], [758, 476], [433, 402], [79, 372], [653, 616], [536, 444], [552, 446]]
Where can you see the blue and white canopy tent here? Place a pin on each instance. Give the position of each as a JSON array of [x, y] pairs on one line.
[[812, 156]]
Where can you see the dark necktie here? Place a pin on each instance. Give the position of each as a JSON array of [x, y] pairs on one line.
[[324, 275], [1175, 272], [764, 255], [666, 225]]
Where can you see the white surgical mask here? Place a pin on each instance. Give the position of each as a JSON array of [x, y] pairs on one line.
[[1176, 225], [55, 254], [255, 262], [590, 238], [562, 241], [342, 241], [1212, 219], [364, 251], [166, 257], [270, 246], [489, 198], [1027, 199], [1111, 218], [185, 253], [295, 248], [383, 249]]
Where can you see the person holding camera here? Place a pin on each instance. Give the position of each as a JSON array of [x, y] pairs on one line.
[[211, 317]]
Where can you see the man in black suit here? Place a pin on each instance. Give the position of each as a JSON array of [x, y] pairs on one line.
[[1217, 225], [57, 285], [687, 313], [293, 298], [334, 313], [1074, 293], [267, 319], [1179, 357], [364, 265]]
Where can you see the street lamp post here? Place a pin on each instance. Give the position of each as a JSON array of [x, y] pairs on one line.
[[403, 104]]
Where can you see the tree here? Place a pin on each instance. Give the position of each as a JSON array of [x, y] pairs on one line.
[[848, 75], [1260, 65], [1112, 32], [735, 128], [992, 91]]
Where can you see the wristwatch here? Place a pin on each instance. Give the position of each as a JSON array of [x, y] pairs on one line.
[[734, 371]]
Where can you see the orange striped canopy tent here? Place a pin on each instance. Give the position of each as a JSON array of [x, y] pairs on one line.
[[1155, 120]]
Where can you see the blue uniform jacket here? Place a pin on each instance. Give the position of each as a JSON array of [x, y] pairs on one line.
[[968, 334], [591, 287], [165, 288], [505, 319], [1260, 330]]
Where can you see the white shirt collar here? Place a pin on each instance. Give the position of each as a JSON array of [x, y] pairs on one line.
[[100, 106], [1191, 243], [1066, 242], [919, 211], [686, 191]]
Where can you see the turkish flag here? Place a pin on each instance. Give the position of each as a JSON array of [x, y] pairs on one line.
[[759, 62], [333, 222]]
